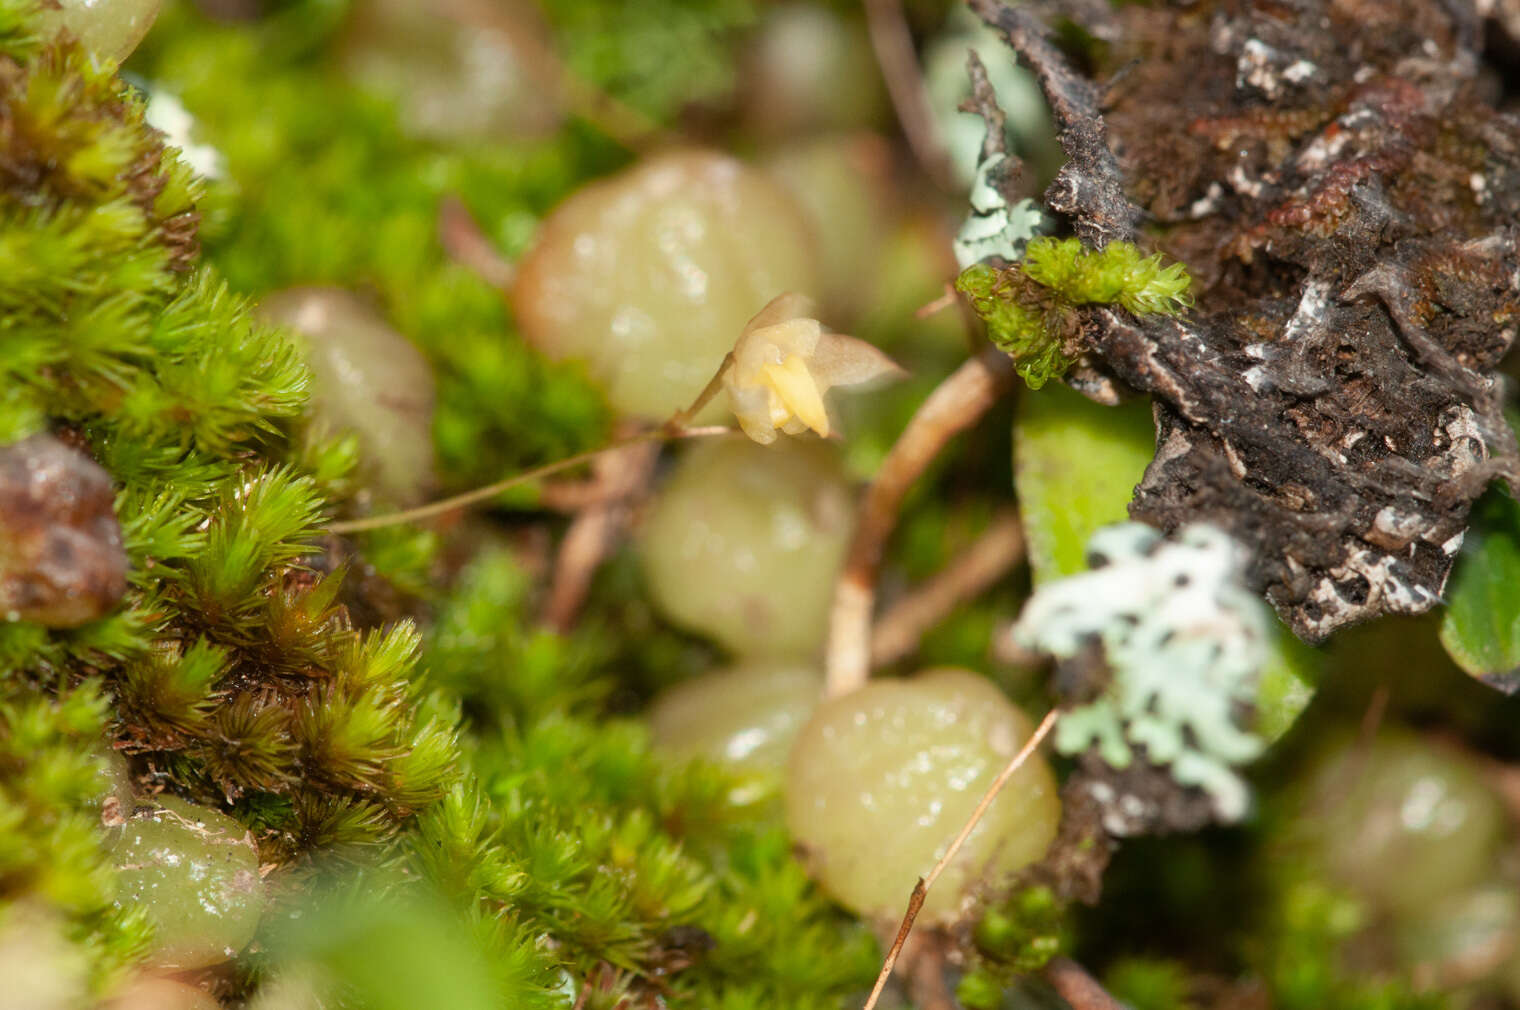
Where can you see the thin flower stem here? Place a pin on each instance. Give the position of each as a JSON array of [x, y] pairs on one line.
[[669, 431], [481, 494], [921, 889], [684, 417]]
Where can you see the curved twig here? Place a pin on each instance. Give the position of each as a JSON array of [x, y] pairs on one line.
[[893, 44], [1073, 984], [921, 889], [995, 552], [956, 404]]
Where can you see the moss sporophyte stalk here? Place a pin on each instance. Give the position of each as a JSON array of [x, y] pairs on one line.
[[1030, 307]]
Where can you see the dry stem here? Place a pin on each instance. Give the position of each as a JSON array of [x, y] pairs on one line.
[[893, 43], [956, 404], [921, 889], [466, 244], [995, 552], [1072, 983], [623, 476], [481, 494]]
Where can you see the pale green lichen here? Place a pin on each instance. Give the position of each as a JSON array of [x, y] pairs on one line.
[[1030, 308], [996, 227], [1185, 641]]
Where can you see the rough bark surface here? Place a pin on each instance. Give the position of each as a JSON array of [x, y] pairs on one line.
[[1338, 180]]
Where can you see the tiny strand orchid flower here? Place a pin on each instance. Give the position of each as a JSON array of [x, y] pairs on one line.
[[784, 363]]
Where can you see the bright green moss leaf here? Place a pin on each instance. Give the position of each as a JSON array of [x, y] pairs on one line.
[[1481, 625], [1030, 308], [1076, 464]]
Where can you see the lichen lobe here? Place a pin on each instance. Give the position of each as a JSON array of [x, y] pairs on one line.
[[1343, 192]]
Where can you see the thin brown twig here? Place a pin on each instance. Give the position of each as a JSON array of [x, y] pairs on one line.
[[596, 531], [956, 404], [927, 982], [490, 491], [994, 554], [466, 243], [921, 889], [892, 41], [938, 305], [1073, 984]]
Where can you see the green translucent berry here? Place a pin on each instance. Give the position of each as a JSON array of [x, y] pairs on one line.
[[882, 779], [744, 717], [148, 992], [810, 68], [367, 379], [1402, 822], [1463, 937], [196, 872], [455, 71], [108, 29], [743, 542], [649, 276], [843, 182]]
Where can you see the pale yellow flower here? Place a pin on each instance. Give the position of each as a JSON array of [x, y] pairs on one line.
[[784, 363]]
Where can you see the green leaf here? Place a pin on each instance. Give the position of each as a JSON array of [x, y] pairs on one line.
[[1076, 464], [1481, 625]]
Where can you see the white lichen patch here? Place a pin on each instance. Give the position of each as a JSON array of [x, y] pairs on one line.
[[1184, 639], [169, 116], [995, 227]]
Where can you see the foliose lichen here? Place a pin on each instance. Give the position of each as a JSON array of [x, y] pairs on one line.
[[1184, 641]]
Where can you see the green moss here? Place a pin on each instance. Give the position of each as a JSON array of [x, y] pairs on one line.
[[53, 779], [1023, 932], [334, 192], [1030, 307], [1148, 984]]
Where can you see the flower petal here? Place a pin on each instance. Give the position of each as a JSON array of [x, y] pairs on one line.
[[840, 360], [798, 390], [787, 305], [752, 408]]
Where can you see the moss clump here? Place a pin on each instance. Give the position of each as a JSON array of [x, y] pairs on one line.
[[53, 778], [1024, 931], [230, 668], [1031, 307]]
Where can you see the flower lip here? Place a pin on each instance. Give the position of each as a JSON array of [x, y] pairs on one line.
[[785, 361]]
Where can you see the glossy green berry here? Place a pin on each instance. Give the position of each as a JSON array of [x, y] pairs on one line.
[[743, 542], [108, 29], [810, 68], [367, 380], [149, 992], [649, 276], [881, 780], [196, 872], [455, 71], [1462, 937], [843, 181], [1402, 821], [744, 717]]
